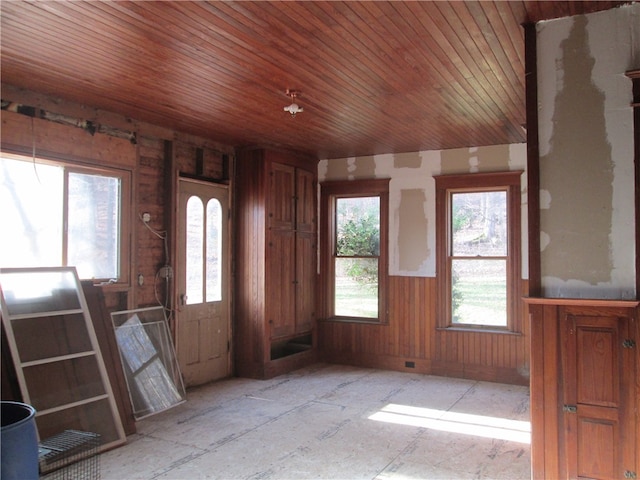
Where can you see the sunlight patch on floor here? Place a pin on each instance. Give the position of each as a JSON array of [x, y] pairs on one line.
[[463, 423]]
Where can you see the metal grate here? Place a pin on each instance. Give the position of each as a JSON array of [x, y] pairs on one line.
[[70, 455]]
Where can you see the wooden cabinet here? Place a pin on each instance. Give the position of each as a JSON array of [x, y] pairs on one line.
[[584, 388], [276, 249]]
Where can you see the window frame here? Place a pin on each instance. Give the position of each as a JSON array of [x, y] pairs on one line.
[[88, 168], [446, 185], [330, 191]]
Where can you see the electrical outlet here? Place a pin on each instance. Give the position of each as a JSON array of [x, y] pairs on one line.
[[166, 272]]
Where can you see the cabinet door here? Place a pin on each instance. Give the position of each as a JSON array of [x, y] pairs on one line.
[[281, 197], [305, 281], [598, 379], [306, 201], [280, 288]]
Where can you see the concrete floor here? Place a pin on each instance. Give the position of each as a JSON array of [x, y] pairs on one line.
[[334, 422]]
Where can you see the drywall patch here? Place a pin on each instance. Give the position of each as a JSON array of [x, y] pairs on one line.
[[479, 159], [494, 158], [337, 169], [349, 168], [365, 167], [407, 160], [413, 248], [457, 160], [577, 171]]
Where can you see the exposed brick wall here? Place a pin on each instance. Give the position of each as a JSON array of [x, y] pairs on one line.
[[146, 160]]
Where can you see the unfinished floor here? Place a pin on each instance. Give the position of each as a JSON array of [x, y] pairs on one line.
[[334, 422]]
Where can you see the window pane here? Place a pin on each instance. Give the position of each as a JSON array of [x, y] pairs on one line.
[[479, 292], [214, 251], [195, 238], [93, 225], [479, 223], [356, 287], [31, 199], [358, 226]]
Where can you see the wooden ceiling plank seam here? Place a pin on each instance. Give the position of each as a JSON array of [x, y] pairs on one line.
[[67, 46], [396, 32], [151, 106], [59, 54], [283, 92], [209, 85], [357, 50], [349, 37], [341, 80], [489, 88], [374, 48], [508, 63], [462, 86], [188, 51], [504, 68], [513, 28], [346, 98], [204, 63]]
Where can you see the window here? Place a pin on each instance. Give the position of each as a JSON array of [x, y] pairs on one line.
[[478, 242], [59, 214], [355, 214], [204, 251]]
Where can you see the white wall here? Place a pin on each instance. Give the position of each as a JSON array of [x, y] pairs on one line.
[[412, 210]]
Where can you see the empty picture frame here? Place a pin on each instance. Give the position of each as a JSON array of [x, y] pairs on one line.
[[148, 360]]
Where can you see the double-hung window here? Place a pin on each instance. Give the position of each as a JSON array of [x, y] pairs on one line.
[[354, 267], [56, 213], [478, 243]]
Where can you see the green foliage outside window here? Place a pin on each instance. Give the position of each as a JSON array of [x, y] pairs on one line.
[[358, 235]]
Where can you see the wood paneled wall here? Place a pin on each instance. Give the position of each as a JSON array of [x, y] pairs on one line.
[[412, 338]]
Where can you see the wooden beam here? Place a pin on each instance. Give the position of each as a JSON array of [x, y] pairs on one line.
[[533, 159], [634, 75]]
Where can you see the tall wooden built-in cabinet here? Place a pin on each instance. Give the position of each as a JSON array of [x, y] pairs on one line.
[[276, 250], [585, 390]]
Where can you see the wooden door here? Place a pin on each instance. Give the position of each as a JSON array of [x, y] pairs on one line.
[[203, 313], [598, 380]]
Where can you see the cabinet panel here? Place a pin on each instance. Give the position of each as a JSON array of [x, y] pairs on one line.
[[305, 281], [598, 434], [305, 201], [276, 258], [597, 362], [281, 283], [281, 199], [585, 390], [594, 370]]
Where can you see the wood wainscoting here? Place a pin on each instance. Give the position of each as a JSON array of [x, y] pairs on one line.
[[411, 341]]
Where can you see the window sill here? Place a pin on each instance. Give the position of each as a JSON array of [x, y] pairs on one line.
[[353, 320], [112, 286], [499, 331]]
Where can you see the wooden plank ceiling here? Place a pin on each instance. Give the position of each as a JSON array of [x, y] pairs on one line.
[[374, 77]]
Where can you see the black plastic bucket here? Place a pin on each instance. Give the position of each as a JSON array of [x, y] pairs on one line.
[[19, 442]]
